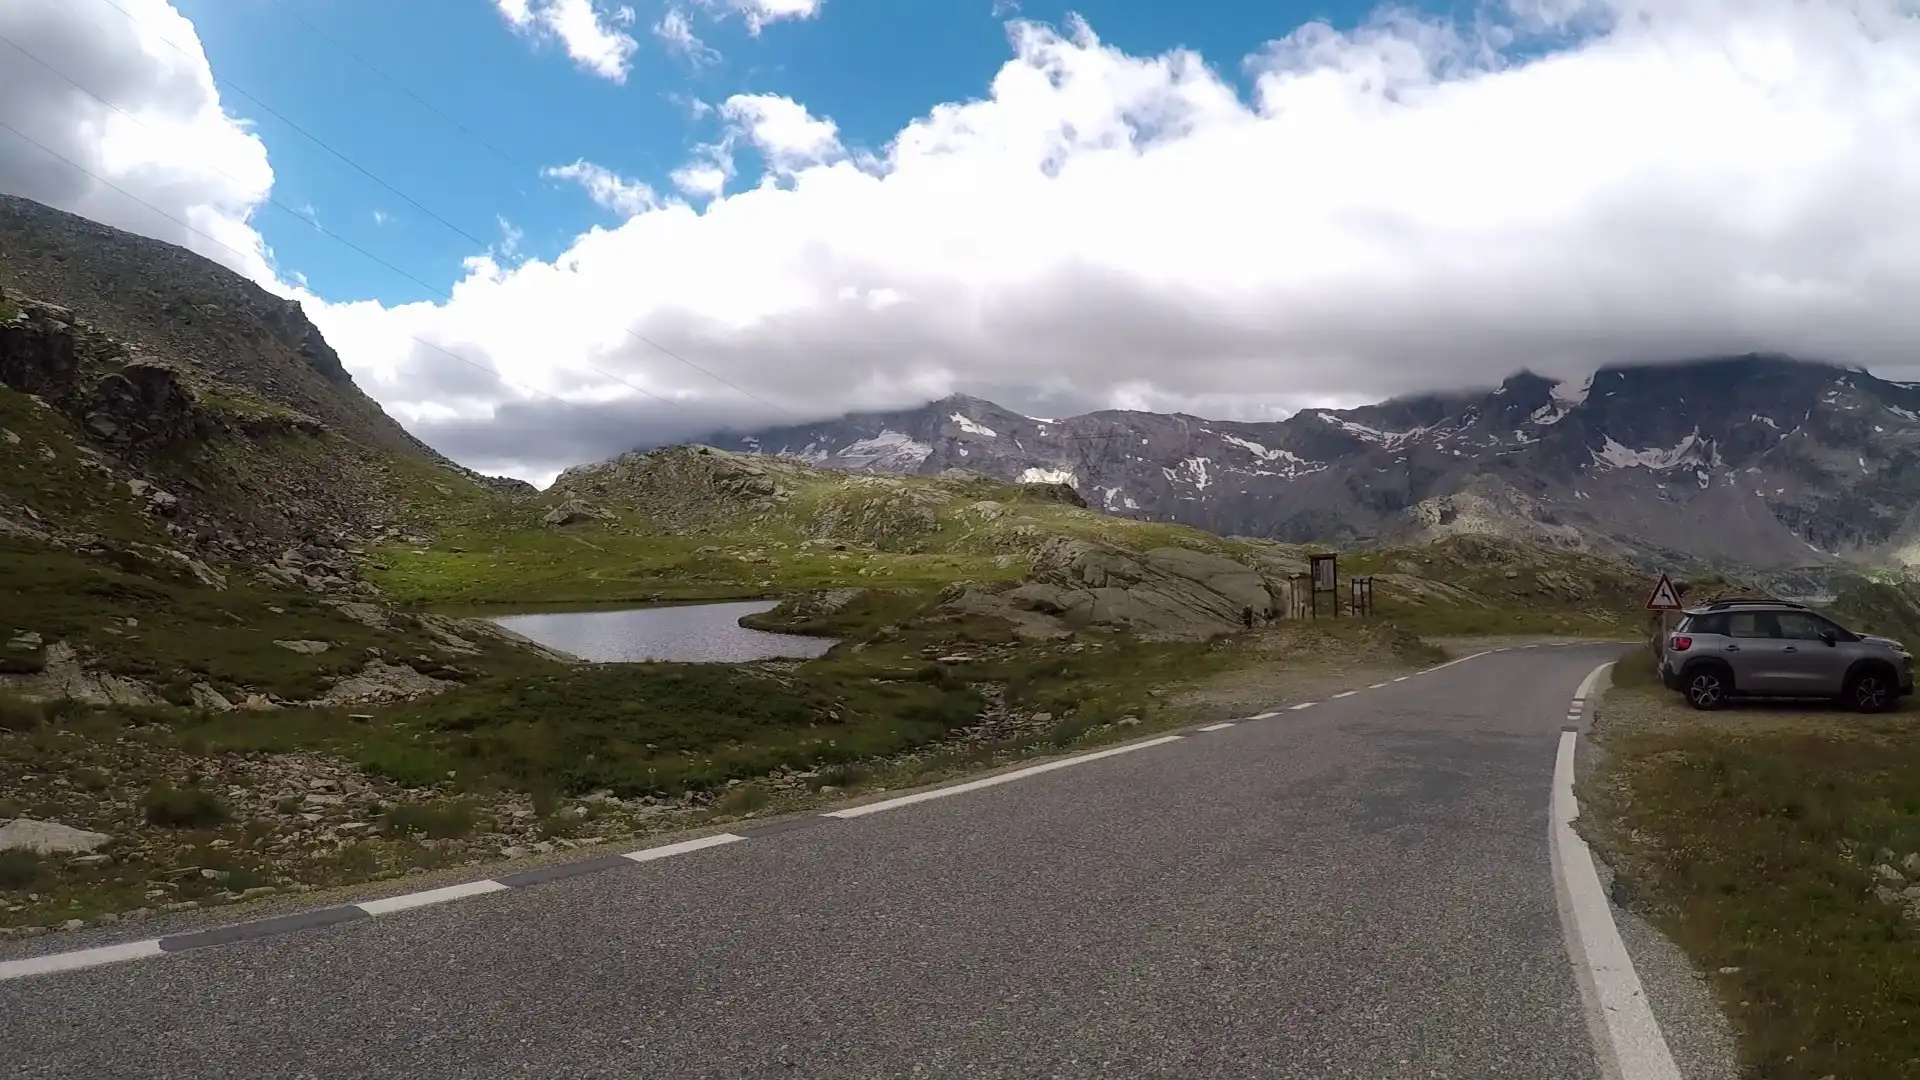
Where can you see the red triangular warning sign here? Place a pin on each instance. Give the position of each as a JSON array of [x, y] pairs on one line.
[[1664, 596]]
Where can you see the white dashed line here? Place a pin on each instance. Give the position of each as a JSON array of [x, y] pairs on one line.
[[1403, 678], [431, 896], [991, 781], [1376, 686], [1302, 705], [1222, 726], [667, 850], [83, 958], [1617, 1011], [1264, 716], [1346, 693]]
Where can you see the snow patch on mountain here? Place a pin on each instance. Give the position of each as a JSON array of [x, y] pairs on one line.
[[1571, 394], [1036, 475], [889, 451], [1692, 450], [1193, 470], [969, 424]]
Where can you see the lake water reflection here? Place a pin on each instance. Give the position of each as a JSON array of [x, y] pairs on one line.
[[688, 633]]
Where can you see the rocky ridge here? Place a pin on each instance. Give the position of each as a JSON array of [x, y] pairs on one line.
[[1760, 461]]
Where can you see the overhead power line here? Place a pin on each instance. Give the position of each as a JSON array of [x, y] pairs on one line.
[[317, 141]]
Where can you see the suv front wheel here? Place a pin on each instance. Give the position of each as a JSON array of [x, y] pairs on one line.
[[1870, 691], [1706, 688]]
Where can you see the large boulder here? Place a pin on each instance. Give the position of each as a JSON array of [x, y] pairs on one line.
[[48, 837], [143, 406], [39, 353], [1166, 592]]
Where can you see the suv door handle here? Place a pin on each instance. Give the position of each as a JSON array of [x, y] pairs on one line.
[[1732, 648], [1790, 648]]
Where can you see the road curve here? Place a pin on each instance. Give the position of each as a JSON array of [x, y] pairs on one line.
[[1361, 888]]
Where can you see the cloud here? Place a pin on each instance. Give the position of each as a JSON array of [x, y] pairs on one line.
[[1405, 205], [783, 130], [606, 187], [153, 153], [1410, 204], [589, 31], [760, 13], [787, 136], [676, 30]]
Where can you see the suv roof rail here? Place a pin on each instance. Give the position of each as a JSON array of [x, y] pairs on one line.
[[1725, 605]]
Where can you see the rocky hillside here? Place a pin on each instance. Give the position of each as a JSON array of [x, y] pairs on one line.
[[1756, 460], [155, 299], [191, 485]]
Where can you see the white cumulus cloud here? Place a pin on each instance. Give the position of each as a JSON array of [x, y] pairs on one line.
[[114, 116], [591, 32], [1406, 205], [759, 13], [676, 30], [606, 187]]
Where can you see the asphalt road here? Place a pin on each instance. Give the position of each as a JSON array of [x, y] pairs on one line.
[[1359, 889]]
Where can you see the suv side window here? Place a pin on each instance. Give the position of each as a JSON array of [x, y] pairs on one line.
[[1705, 625], [1802, 627], [1752, 624]]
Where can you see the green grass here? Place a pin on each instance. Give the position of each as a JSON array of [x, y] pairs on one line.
[[183, 632], [1752, 835], [865, 616], [184, 807], [20, 869], [18, 714], [444, 821]]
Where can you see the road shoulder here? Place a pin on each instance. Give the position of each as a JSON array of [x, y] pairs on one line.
[[1743, 847]]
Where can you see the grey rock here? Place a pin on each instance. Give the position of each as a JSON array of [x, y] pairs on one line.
[[48, 837], [304, 647], [1887, 875], [206, 697]]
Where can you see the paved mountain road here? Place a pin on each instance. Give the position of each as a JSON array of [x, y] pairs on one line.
[[1358, 889]]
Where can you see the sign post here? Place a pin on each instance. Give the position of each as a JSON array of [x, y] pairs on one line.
[[1326, 579], [1663, 601]]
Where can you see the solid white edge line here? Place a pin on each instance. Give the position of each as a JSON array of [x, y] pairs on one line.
[[407, 901], [1623, 1023], [1221, 726], [668, 850], [83, 958], [1302, 705], [1587, 684], [1346, 693], [992, 781]]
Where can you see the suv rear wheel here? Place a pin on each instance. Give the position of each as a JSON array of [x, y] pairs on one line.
[[1870, 691], [1706, 687]]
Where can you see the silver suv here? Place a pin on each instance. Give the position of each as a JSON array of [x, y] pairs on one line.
[[1771, 648]]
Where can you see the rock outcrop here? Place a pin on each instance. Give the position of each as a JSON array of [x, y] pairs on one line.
[[1166, 592]]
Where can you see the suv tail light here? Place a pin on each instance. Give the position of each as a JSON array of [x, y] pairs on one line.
[[1680, 643]]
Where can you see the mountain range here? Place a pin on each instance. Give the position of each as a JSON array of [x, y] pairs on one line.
[[1757, 460]]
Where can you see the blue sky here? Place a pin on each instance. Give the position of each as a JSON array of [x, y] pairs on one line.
[[869, 65], [1412, 203]]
